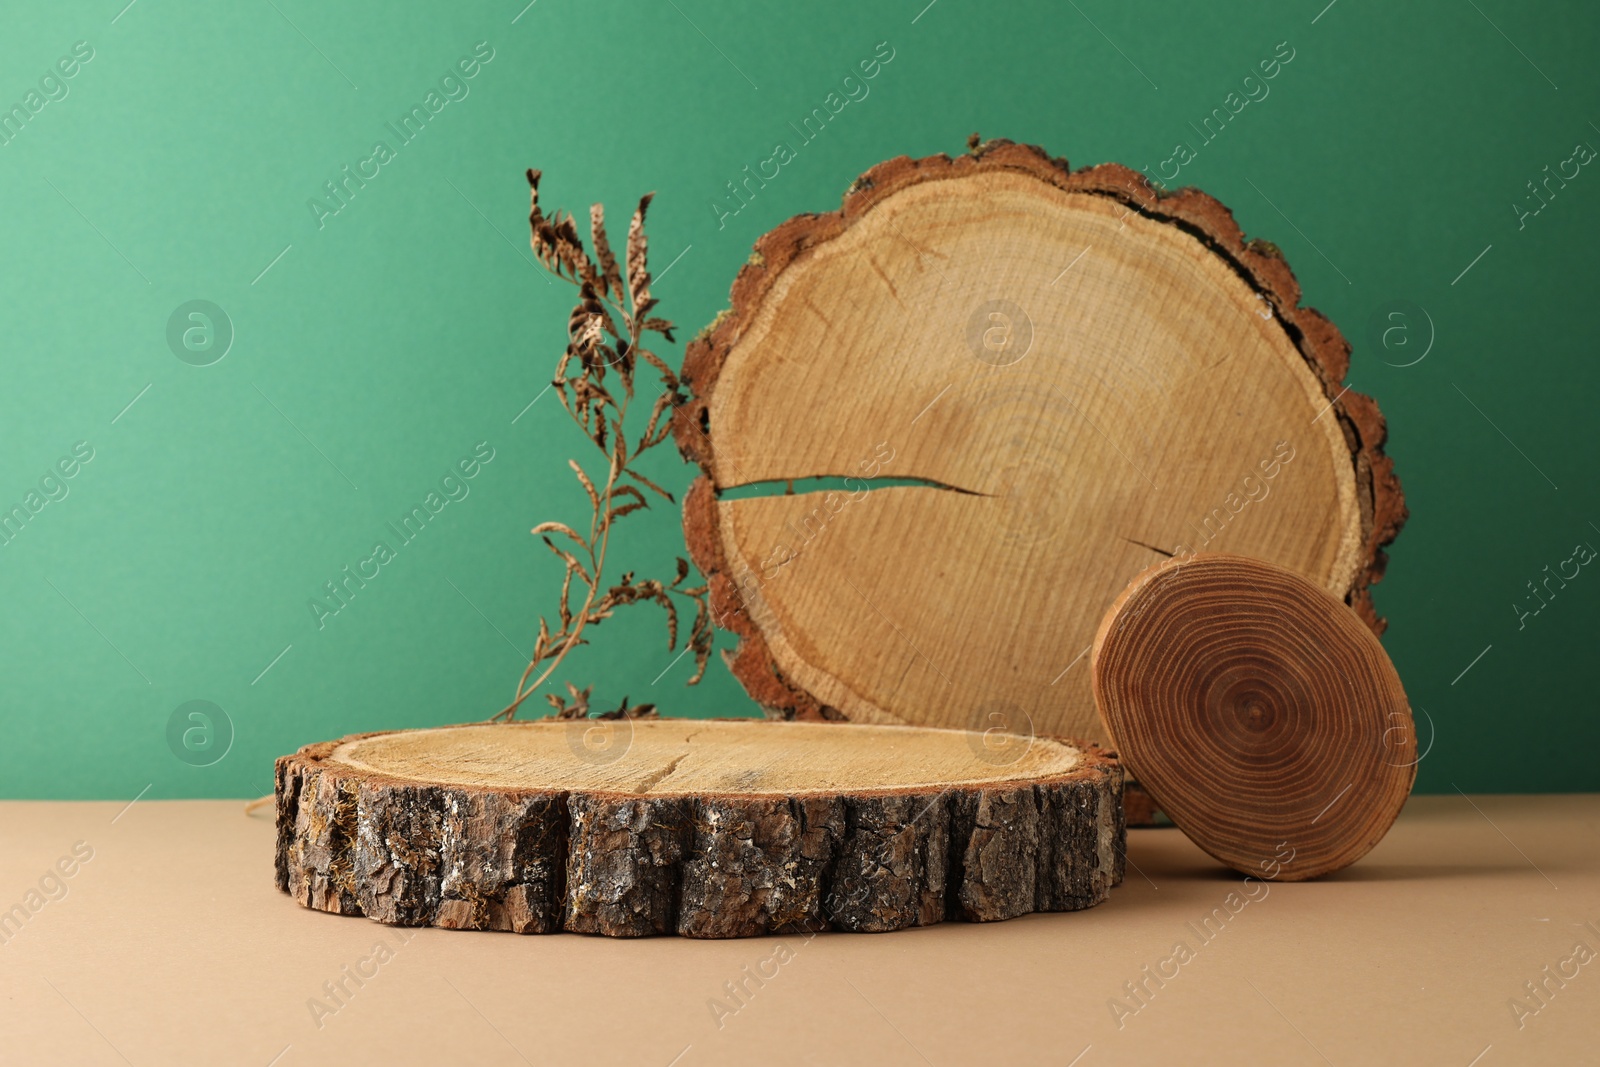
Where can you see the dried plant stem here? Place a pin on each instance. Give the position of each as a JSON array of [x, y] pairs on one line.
[[596, 347], [597, 562]]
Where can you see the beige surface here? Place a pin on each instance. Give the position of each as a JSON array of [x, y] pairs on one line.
[[171, 947], [1143, 390], [673, 757]]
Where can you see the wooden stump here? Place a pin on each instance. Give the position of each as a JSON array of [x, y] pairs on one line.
[[705, 828], [1261, 714], [1069, 376]]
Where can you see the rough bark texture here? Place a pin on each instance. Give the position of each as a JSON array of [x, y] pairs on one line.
[[1259, 263], [356, 843]]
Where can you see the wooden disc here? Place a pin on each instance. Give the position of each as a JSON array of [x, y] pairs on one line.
[[706, 828], [1258, 711], [1070, 378]]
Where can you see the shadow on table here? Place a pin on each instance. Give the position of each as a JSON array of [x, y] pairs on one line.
[[1157, 868], [1361, 872]]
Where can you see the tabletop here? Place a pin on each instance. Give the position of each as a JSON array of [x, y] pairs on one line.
[[150, 933]]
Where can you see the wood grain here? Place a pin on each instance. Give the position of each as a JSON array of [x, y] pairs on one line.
[[1150, 386], [705, 828], [1260, 713]]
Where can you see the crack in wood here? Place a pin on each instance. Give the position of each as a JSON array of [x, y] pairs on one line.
[[654, 778], [1146, 544], [841, 483]]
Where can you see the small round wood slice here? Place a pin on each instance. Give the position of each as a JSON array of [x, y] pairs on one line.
[[1069, 376], [1261, 714], [705, 828]]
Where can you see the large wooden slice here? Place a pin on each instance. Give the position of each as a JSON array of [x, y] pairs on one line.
[[1258, 711], [1076, 376], [706, 828]]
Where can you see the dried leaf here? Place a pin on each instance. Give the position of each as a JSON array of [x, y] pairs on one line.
[[625, 491], [702, 656], [602, 250], [630, 592], [562, 528], [669, 377], [640, 711], [567, 251], [672, 620], [647, 483], [638, 247], [662, 403], [571, 560], [616, 513], [619, 454], [566, 601], [624, 364], [594, 305], [588, 486], [586, 331], [578, 709], [701, 638]]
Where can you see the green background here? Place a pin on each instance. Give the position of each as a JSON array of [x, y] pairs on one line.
[[383, 346]]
